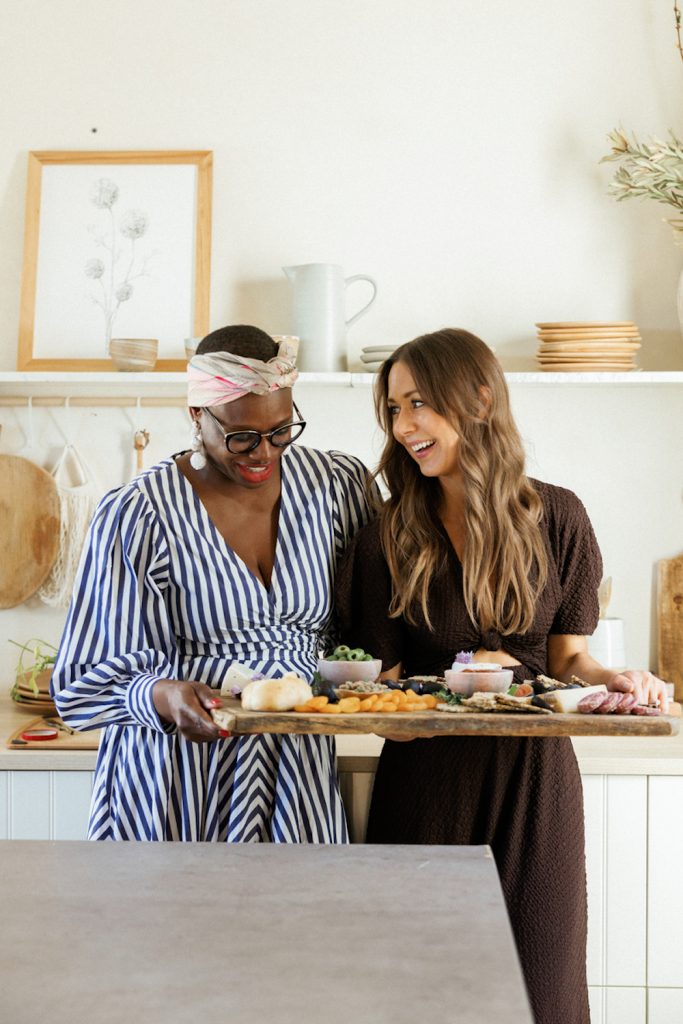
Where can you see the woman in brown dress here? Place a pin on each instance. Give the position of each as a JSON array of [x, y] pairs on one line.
[[469, 554]]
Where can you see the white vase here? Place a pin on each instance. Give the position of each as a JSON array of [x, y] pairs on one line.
[[319, 313]]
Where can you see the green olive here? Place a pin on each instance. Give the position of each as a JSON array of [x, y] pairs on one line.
[[367, 657], [332, 657], [357, 654], [341, 650]]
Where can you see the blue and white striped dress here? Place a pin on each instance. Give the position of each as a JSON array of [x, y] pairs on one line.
[[161, 595]]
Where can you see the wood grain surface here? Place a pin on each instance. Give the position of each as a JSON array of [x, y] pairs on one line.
[[29, 528], [670, 622], [442, 723], [65, 740]]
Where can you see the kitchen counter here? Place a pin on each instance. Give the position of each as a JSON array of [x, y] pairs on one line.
[[662, 755], [600, 755], [180, 932], [11, 718]]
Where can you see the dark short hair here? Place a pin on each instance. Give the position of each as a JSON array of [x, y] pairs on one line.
[[241, 340]]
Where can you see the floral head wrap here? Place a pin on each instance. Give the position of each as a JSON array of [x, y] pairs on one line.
[[221, 377]]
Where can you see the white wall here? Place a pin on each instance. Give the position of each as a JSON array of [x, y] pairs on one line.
[[449, 148], [619, 449]]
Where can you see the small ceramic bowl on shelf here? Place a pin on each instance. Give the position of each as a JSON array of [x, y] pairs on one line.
[[478, 677], [338, 672], [191, 347], [134, 354]]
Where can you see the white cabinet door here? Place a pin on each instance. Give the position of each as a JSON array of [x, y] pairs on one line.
[[71, 804], [665, 916], [616, 865], [618, 1005], [665, 1005], [44, 805], [30, 805]]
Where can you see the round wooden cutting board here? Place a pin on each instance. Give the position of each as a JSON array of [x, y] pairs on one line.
[[29, 528]]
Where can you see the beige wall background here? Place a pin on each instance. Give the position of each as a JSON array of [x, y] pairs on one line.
[[449, 149]]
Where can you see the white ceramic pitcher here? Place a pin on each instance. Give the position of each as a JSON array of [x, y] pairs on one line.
[[319, 313]]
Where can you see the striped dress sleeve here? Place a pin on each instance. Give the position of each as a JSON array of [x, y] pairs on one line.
[[118, 639], [353, 499]]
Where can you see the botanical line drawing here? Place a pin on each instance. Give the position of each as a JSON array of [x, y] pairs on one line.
[[121, 263]]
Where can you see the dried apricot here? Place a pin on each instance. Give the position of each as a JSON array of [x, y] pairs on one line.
[[349, 705], [318, 702]]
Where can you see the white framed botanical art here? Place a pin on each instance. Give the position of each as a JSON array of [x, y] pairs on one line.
[[116, 244]]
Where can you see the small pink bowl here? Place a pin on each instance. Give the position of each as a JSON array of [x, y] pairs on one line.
[[467, 683]]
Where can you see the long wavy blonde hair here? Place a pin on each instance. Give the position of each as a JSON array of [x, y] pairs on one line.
[[504, 562]]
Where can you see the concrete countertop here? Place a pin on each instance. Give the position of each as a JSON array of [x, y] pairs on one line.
[[662, 755], [215, 932]]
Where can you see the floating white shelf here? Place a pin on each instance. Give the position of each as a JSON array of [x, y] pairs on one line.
[[159, 386]]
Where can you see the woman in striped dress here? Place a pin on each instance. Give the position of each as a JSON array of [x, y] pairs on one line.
[[224, 555]]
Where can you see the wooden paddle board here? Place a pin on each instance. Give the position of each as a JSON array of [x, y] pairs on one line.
[[670, 622], [444, 723], [29, 528]]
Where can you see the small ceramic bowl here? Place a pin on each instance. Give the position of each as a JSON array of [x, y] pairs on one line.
[[137, 354], [191, 347], [337, 672], [469, 682]]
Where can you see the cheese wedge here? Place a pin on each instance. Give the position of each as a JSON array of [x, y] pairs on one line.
[[567, 701]]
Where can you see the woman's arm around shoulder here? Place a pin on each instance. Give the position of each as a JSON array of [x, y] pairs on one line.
[[356, 497]]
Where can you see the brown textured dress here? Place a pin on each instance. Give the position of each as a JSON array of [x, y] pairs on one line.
[[522, 796]]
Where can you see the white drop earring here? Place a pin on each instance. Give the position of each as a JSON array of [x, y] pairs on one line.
[[198, 457]]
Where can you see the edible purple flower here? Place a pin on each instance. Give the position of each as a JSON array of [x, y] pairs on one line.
[[463, 658]]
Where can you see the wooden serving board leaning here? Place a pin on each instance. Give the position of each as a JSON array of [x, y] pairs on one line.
[[670, 622], [427, 723], [29, 528]]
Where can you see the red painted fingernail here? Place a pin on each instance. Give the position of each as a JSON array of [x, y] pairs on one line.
[[216, 700], [223, 733]]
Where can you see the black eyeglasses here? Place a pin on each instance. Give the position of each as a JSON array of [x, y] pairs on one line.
[[239, 442]]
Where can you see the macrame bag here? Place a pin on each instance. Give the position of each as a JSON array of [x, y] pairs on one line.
[[78, 496]]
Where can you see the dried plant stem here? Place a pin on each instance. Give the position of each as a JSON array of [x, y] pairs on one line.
[[677, 16]]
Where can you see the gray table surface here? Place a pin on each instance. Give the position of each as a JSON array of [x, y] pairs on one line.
[[258, 934]]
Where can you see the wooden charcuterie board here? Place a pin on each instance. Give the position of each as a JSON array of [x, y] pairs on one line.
[[443, 723]]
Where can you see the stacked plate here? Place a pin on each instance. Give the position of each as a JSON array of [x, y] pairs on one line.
[[37, 703], [372, 356], [598, 345]]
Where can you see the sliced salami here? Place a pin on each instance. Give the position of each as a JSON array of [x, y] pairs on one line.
[[591, 702], [642, 709], [610, 704], [627, 703]]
